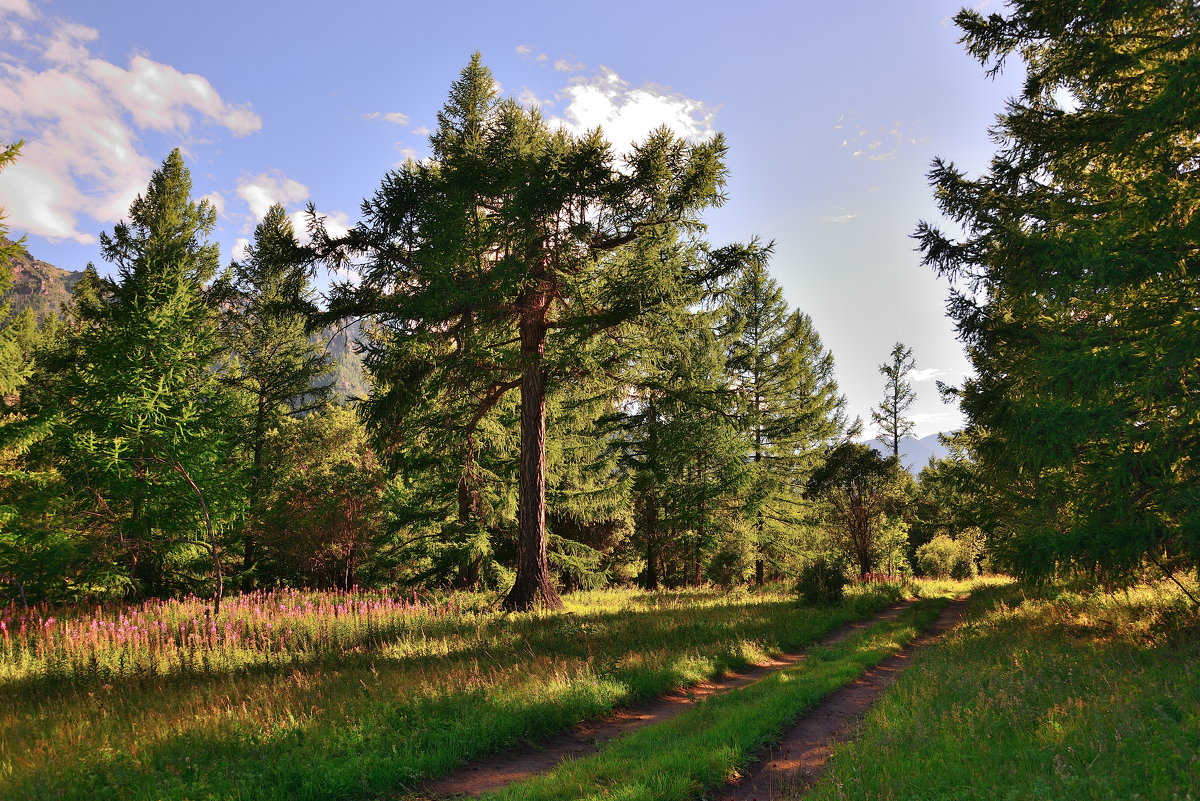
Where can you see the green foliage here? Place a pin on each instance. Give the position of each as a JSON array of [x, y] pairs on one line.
[[495, 263], [323, 506], [140, 422], [274, 368], [822, 582], [859, 489], [787, 406], [1076, 289], [947, 558]]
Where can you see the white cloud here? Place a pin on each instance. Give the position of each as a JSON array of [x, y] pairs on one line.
[[83, 120], [422, 131], [524, 50], [239, 248], [841, 218], [628, 114], [22, 8], [390, 116], [406, 154], [562, 65], [217, 200], [268, 188]]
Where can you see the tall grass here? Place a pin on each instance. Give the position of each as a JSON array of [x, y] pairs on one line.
[[320, 696], [1044, 694]]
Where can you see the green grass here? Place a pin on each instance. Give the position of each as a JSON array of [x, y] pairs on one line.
[[376, 707], [1045, 695], [699, 750]]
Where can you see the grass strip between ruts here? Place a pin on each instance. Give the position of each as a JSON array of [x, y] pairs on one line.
[[701, 748]]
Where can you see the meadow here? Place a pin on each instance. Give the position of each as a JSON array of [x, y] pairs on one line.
[[1048, 693], [347, 695]]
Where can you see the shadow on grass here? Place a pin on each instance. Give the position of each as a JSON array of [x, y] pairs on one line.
[[365, 740]]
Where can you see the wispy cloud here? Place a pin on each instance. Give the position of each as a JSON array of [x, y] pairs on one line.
[[21, 8], [394, 117], [84, 120], [881, 143], [931, 374], [524, 50], [841, 218], [562, 65]]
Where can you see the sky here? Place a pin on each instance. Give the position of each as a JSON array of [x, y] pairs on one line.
[[832, 113]]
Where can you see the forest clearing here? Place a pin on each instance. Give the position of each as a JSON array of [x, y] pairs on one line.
[[540, 477], [1059, 693]]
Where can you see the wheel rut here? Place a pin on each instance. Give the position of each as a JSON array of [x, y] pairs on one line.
[[586, 738], [798, 760]]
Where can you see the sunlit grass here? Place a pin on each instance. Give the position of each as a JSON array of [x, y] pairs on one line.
[[395, 694], [1046, 694], [701, 749]]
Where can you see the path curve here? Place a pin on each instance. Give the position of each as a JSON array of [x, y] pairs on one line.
[[798, 760], [498, 771]]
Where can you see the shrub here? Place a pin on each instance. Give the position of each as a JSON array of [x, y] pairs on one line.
[[944, 557], [822, 582]]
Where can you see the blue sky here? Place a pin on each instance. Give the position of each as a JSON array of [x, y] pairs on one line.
[[832, 111]]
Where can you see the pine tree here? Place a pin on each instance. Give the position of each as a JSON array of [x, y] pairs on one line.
[[1076, 288], [898, 397], [142, 417], [788, 404], [499, 257], [276, 368]]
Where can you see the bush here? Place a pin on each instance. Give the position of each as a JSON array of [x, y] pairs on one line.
[[944, 557], [822, 582]]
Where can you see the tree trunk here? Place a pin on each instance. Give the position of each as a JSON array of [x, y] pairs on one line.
[[651, 533], [533, 586], [249, 538]]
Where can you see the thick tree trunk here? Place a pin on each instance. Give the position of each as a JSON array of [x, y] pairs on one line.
[[533, 586]]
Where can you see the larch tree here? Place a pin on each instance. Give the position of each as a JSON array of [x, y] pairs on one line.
[[274, 366], [142, 415], [898, 397], [788, 404], [1076, 288], [495, 260]]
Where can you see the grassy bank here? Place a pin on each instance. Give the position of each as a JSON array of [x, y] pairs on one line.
[[700, 749], [1050, 695], [342, 698]]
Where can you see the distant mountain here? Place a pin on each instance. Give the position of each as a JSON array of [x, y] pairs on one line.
[[914, 453], [40, 286], [45, 289], [350, 381]]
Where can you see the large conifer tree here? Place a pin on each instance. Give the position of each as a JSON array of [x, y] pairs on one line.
[[788, 404], [141, 414], [1078, 292], [489, 265], [275, 366]]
